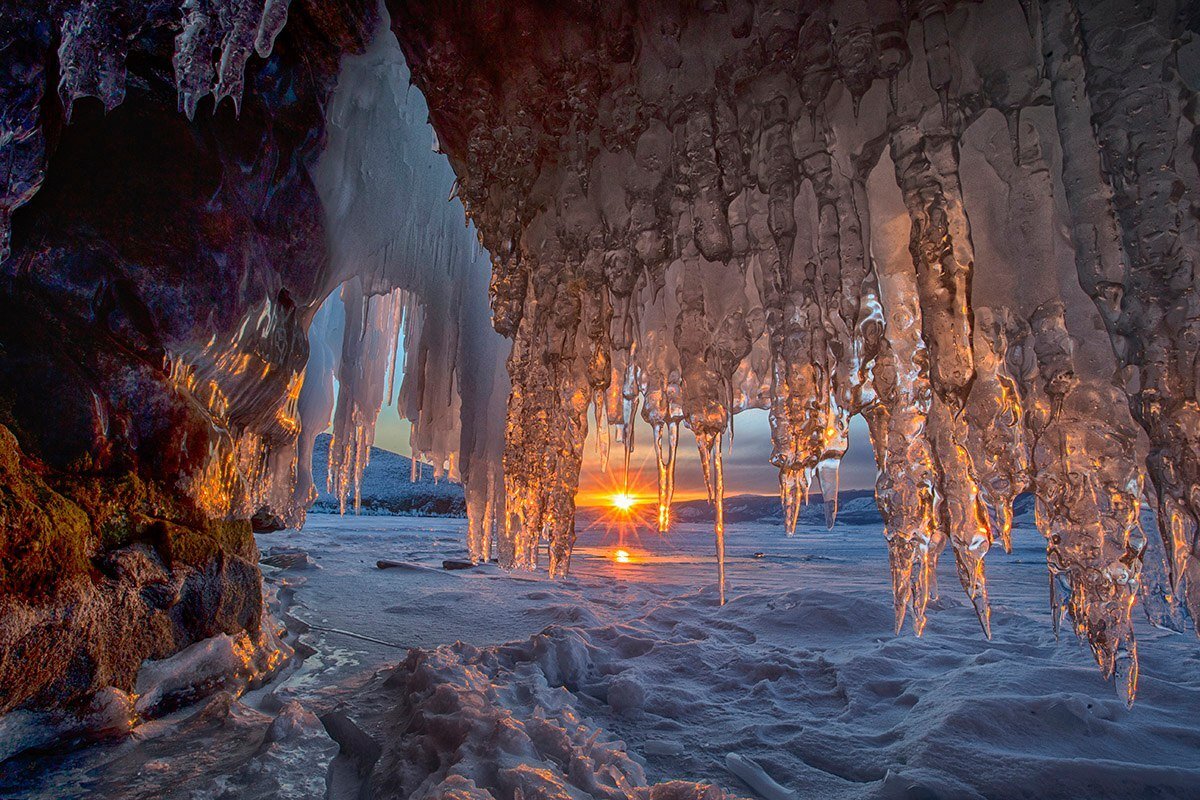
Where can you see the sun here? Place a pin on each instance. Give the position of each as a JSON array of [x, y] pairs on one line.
[[623, 501]]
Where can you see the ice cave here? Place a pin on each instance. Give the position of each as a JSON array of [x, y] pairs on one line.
[[621, 399]]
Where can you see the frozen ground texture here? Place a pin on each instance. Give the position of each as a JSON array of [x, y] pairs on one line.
[[799, 673]]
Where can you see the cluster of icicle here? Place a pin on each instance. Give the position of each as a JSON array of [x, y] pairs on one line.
[[215, 40], [407, 323], [972, 223], [413, 286], [407, 276]]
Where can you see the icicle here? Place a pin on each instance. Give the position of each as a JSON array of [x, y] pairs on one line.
[[906, 487], [274, 17], [673, 434], [730, 233], [91, 56], [827, 472], [710, 445], [793, 493], [719, 514], [602, 438], [665, 460], [938, 53]]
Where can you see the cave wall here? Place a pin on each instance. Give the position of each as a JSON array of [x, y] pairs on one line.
[[693, 208], [164, 267]]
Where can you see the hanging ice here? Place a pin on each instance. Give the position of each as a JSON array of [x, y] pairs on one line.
[[413, 282], [973, 223], [925, 213]]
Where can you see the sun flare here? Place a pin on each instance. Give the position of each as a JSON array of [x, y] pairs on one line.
[[623, 501]]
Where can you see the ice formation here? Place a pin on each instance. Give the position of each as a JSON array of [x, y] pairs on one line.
[[928, 213], [215, 40], [406, 277], [413, 287], [973, 223]]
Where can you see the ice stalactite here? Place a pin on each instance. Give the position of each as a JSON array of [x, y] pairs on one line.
[[315, 402], [214, 42], [927, 172], [1063, 411], [866, 217], [234, 29], [906, 488], [665, 455], [1145, 132], [368, 340], [410, 323], [92, 52]]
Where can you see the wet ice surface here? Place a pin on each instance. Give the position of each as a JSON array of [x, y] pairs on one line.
[[800, 672]]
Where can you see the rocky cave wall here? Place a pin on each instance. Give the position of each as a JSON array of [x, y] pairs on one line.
[[167, 255]]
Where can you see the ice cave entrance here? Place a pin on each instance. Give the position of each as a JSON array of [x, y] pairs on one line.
[[642, 281]]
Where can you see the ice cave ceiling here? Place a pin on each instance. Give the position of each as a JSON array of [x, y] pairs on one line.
[[973, 222]]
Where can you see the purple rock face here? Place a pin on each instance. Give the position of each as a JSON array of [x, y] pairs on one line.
[[153, 314]]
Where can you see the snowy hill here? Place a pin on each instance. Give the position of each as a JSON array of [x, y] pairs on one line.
[[388, 487], [856, 507]]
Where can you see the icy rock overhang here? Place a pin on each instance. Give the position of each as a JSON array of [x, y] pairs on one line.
[[191, 190], [160, 277], [971, 222], [226, 176]]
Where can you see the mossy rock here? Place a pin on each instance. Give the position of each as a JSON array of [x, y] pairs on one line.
[[53, 524], [44, 537], [196, 547]]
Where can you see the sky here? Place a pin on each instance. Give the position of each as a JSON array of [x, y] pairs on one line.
[[747, 470]]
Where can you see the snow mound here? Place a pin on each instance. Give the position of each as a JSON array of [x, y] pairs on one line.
[[505, 722]]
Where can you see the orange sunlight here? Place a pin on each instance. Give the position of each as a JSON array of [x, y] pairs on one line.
[[623, 502]]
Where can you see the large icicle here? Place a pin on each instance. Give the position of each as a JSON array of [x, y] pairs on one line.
[[700, 210], [412, 278], [1138, 100]]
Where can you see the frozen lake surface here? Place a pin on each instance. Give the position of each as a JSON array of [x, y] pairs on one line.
[[799, 674]]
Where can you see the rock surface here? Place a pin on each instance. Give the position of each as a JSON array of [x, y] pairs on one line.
[[162, 271], [103, 573]]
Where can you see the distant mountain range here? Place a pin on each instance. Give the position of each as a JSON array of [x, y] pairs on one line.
[[388, 488], [855, 507]]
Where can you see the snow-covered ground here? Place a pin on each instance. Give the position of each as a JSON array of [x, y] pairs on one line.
[[799, 674]]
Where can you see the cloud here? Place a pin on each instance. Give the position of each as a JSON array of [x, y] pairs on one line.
[[747, 465]]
